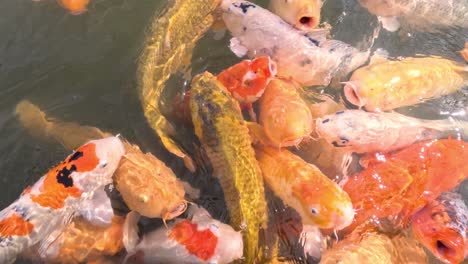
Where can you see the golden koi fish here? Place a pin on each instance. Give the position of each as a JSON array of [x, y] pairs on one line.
[[168, 48], [386, 85], [302, 14], [302, 186], [372, 247], [219, 125]]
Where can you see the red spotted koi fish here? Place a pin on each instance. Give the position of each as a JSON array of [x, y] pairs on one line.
[[200, 239], [48, 205]]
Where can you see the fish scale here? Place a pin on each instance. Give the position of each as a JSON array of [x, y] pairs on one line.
[[225, 137]]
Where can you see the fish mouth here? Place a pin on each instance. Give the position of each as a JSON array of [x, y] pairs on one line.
[[351, 92], [306, 23], [446, 250]]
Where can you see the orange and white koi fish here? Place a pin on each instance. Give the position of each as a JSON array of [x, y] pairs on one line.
[[301, 185], [425, 15], [82, 242], [301, 57], [53, 200], [247, 80], [200, 239], [302, 14], [442, 226], [396, 185], [361, 132], [284, 116], [386, 85]]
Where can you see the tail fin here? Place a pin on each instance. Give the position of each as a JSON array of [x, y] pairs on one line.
[[449, 125]]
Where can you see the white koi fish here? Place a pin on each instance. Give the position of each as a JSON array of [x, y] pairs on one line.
[[306, 59], [362, 132], [200, 239], [425, 15], [45, 208]]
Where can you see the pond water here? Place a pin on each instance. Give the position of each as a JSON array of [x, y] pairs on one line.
[[83, 69]]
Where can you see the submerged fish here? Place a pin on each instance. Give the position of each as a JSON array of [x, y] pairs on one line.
[[372, 247], [395, 185], [82, 242], [442, 226], [224, 136], [146, 184], [365, 132], [386, 85], [425, 15], [302, 186], [258, 32], [302, 14], [199, 239], [52, 201], [284, 116], [75, 7], [168, 49]]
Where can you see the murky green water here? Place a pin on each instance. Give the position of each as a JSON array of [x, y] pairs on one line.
[[82, 69]]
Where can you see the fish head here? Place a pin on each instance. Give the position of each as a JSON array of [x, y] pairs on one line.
[[247, 80], [441, 227], [97, 161], [236, 14], [334, 129], [302, 14], [324, 204]]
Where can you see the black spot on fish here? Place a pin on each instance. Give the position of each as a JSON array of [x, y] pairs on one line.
[[339, 112], [22, 211], [305, 62], [245, 6], [335, 144], [64, 176], [325, 121], [245, 28], [75, 156], [332, 50], [312, 40]]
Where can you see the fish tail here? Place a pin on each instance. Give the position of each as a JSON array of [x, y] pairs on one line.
[[448, 125], [32, 118], [130, 234]]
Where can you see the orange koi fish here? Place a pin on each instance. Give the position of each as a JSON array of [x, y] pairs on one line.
[[301, 185], [464, 52], [398, 184], [441, 227], [52, 201], [284, 116], [200, 239], [386, 85], [76, 7], [302, 14]]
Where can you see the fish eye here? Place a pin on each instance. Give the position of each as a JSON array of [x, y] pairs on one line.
[[314, 211], [103, 164], [344, 140]]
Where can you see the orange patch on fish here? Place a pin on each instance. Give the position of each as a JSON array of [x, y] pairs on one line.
[[199, 243], [15, 225], [247, 80], [58, 183], [75, 7], [400, 183]]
